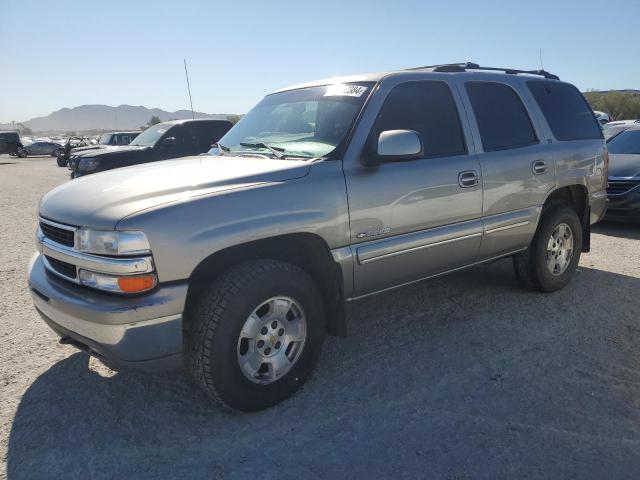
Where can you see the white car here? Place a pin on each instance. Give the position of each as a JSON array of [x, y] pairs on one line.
[[611, 129], [602, 117]]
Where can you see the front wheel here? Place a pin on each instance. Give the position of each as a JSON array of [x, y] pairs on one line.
[[62, 162], [22, 153], [552, 258], [256, 334]]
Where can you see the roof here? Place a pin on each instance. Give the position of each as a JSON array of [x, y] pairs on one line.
[[185, 120], [449, 69]]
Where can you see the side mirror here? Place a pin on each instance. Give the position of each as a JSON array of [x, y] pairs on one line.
[[394, 146], [398, 145], [169, 142]]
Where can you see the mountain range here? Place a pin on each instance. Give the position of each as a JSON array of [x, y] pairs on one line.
[[105, 117]]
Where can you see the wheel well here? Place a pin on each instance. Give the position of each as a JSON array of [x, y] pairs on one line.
[[574, 195], [307, 251], [577, 197]]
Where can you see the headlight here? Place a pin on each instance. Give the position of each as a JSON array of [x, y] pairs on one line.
[[111, 242], [88, 164], [118, 283]]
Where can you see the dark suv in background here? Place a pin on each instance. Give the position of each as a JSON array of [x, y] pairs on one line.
[[174, 139], [9, 142]]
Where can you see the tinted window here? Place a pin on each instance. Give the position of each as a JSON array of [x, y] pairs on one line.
[[566, 110], [206, 133], [429, 109], [626, 143], [502, 119]]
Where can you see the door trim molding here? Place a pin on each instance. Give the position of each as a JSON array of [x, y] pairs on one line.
[[507, 227], [393, 287], [387, 247], [420, 247]]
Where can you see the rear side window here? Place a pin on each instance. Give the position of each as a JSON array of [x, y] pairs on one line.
[[428, 108], [502, 119], [567, 112]]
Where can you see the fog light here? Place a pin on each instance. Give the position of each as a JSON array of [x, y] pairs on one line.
[[117, 284]]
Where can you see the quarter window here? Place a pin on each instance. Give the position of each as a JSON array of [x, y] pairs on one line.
[[502, 119], [428, 108], [567, 112]]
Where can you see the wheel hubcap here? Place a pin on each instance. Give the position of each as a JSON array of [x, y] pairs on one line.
[[560, 249], [272, 339]]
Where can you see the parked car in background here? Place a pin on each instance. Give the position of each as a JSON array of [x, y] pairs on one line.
[[42, 148], [10, 142], [174, 139], [237, 265], [624, 175], [602, 117], [106, 140], [613, 128]]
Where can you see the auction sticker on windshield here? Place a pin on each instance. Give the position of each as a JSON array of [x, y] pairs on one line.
[[343, 89]]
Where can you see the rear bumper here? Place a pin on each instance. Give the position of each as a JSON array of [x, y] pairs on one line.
[[142, 332], [598, 206]]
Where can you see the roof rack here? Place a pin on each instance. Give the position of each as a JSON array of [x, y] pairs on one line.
[[464, 66]]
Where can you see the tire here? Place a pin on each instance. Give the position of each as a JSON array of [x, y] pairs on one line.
[[532, 266], [61, 162], [214, 344], [22, 153]]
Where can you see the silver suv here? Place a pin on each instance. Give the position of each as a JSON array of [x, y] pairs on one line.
[[237, 264]]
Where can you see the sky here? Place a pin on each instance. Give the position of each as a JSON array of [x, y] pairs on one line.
[[67, 53]]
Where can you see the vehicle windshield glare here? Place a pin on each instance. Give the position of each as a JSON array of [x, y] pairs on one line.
[[627, 142], [104, 139], [151, 135], [307, 122]]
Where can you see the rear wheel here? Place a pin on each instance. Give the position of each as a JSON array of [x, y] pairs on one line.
[[256, 335], [552, 258]]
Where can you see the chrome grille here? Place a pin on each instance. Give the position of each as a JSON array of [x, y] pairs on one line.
[[63, 236]]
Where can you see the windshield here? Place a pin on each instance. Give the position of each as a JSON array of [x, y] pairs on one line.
[[308, 122], [627, 142], [151, 135], [105, 139]]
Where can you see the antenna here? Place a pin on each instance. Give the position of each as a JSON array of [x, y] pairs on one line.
[[541, 67], [186, 73]]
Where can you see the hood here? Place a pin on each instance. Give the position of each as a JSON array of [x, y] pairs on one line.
[[103, 199], [108, 150], [88, 147], [624, 165]]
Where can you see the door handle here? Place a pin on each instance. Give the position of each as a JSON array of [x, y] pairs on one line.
[[539, 167], [468, 178]]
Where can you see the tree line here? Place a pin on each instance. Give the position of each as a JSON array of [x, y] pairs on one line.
[[619, 105]]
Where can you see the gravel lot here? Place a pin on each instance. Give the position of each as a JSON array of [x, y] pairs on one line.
[[467, 376]]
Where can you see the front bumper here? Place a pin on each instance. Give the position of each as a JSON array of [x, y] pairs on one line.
[[624, 207], [142, 331]]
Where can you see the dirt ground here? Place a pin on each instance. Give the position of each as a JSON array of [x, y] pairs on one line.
[[466, 376]]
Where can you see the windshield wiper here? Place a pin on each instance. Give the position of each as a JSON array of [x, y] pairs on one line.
[[222, 147], [277, 151]]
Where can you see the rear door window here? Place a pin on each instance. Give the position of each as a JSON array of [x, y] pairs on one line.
[[428, 108], [502, 118], [567, 112]]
